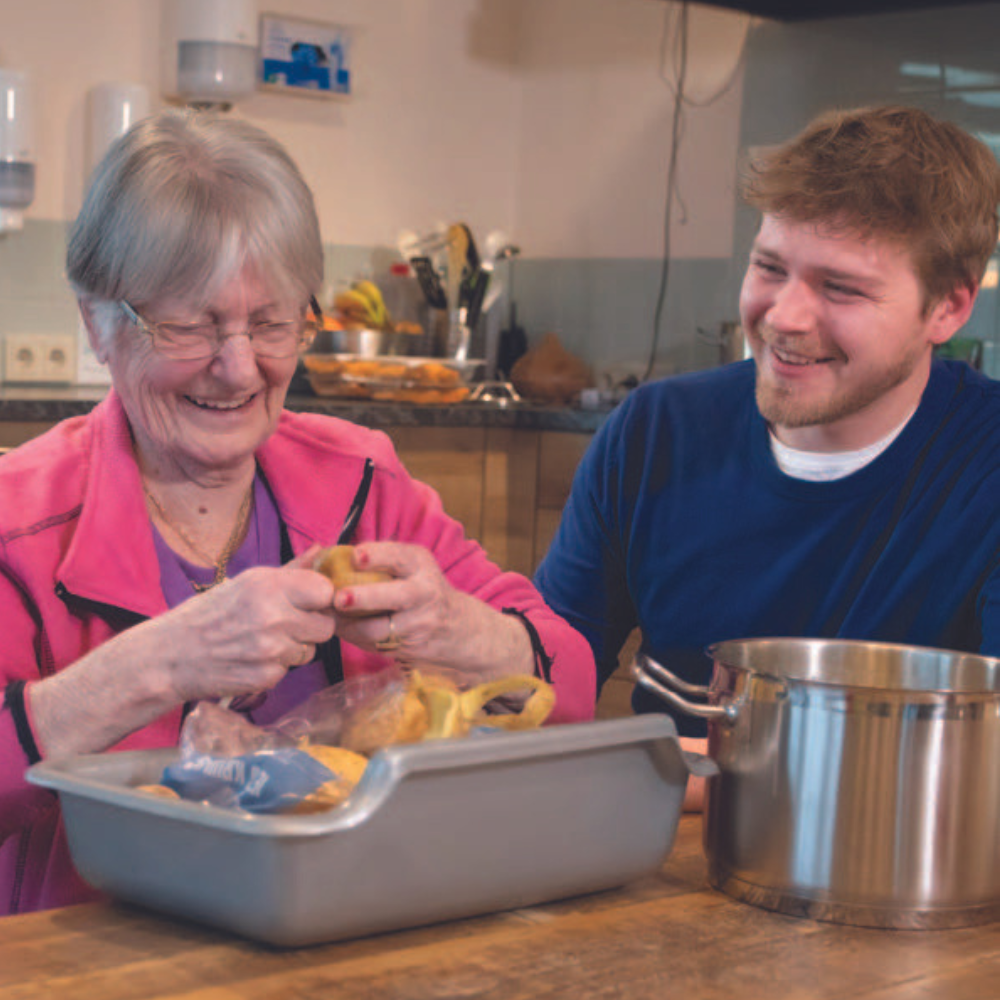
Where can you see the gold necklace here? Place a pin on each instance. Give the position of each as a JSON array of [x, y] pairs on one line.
[[221, 563]]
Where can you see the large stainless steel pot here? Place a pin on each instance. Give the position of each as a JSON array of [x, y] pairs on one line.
[[859, 782]]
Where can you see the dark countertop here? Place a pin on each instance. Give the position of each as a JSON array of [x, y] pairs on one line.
[[52, 403]]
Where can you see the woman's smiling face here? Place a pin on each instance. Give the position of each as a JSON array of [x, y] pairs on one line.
[[204, 419]]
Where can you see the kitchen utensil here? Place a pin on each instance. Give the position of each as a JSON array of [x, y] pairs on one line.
[[472, 259], [859, 781], [500, 393], [496, 240], [410, 244], [430, 282], [493, 293], [478, 285], [459, 334], [458, 249], [361, 342], [513, 341], [435, 831], [471, 274]]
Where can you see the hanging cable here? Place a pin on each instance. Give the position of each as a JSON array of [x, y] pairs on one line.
[[676, 132]]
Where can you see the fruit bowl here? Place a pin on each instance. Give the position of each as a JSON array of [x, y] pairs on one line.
[[362, 342]]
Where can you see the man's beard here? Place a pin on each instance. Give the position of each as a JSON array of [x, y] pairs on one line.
[[782, 406]]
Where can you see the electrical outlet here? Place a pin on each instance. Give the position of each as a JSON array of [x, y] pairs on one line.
[[59, 357], [39, 357], [23, 357]]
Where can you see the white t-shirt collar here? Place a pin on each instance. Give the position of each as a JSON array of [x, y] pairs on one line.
[[823, 466]]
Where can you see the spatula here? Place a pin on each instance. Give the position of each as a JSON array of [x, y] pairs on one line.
[[458, 249]]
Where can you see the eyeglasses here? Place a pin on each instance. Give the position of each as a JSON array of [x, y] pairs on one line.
[[197, 341]]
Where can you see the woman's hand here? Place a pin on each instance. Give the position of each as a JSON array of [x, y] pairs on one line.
[[238, 638], [243, 636], [420, 617]]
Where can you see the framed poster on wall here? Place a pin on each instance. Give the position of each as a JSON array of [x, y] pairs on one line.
[[305, 57]]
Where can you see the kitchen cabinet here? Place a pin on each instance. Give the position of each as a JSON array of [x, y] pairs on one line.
[[507, 486], [15, 432]]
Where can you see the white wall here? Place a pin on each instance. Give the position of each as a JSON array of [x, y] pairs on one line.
[[596, 126], [428, 134], [547, 117]]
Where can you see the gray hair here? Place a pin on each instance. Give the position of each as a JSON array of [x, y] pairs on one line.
[[183, 201]]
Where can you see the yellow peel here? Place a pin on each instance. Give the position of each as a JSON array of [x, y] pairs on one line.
[[443, 702], [348, 768], [535, 711]]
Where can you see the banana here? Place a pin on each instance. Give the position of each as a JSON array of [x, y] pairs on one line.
[[355, 306], [351, 300], [370, 291], [373, 294], [363, 303]]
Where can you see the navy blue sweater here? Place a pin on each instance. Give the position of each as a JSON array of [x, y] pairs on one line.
[[680, 522]]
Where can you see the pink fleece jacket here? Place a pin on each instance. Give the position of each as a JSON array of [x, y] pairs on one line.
[[77, 565]]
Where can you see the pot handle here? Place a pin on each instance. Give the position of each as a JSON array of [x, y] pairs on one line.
[[672, 690]]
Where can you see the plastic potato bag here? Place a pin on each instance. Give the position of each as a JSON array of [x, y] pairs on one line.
[[226, 760], [313, 756], [264, 781], [292, 765]]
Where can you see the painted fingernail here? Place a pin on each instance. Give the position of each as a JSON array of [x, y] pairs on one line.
[[361, 558], [346, 600]]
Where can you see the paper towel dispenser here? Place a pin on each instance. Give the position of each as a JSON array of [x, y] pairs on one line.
[[211, 49]]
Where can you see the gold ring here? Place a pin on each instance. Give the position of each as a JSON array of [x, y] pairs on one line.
[[390, 642]]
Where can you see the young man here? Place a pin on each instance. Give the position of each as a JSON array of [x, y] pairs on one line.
[[844, 483]]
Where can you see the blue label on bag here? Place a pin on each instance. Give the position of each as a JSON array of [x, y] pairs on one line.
[[262, 782]]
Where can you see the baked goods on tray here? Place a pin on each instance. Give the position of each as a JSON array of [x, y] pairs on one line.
[[406, 380]]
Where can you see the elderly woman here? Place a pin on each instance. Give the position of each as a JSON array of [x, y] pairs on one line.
[[158, 551]]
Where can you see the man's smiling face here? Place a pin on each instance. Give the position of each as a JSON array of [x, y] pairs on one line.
[[839, 332]]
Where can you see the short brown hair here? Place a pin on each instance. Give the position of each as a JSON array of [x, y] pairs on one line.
[[891, 173]]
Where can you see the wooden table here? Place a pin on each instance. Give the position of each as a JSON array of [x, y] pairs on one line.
[[666, 936]]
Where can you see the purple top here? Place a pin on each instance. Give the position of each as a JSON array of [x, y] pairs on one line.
[[261, 547]]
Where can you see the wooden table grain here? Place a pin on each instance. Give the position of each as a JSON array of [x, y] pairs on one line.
[[668, 935]]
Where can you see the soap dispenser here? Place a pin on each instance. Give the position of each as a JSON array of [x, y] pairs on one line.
[[17, 167]]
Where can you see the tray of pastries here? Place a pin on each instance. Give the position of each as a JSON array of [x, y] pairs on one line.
[[398, 379]]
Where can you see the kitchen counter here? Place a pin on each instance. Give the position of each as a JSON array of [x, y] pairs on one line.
[[666, 935], [48, 404]]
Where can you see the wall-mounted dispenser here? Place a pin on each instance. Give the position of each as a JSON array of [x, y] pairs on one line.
[[112, 109], [17, 167], [212, 51]]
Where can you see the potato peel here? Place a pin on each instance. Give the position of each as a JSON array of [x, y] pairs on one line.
[[536, 709], [348, 768], [429, 707]]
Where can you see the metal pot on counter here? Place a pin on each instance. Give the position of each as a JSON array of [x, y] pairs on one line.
[[859, 781], [366, 343]]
